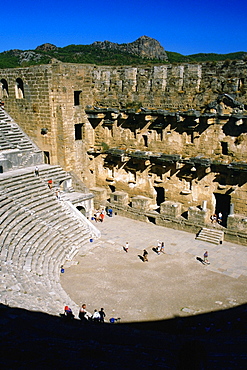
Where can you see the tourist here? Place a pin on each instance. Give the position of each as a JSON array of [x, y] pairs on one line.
[[162, 248], [68, 313], [97, 216], [145, 255], [96, 316], [158, 247], [101, 216], [213, 218], [84, 315], [36, 171], [110, 212], [102, 315], [205, 257], [220, 218], [126, 248]]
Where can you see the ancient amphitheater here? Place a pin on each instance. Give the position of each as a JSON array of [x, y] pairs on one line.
[[164, 145], [38, 231]]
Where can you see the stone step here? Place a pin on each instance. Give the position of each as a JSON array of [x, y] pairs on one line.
[[213, 236]]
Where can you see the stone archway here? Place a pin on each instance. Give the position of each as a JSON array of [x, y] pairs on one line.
[[82, 210]]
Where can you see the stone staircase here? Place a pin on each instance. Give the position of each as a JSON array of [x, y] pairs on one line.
[[214, 236], [16, 148], [38, 234]]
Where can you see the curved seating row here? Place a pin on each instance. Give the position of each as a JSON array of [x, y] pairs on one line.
[[37, 235]]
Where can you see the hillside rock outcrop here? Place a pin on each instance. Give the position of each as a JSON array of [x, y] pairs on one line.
[[145, 47]]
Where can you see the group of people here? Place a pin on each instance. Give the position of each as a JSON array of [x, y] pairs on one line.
[[216, 218], [84, 315], [97, 316], [159, 249], [99, 215]]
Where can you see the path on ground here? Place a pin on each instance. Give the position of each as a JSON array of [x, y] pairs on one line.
[[173, 284]]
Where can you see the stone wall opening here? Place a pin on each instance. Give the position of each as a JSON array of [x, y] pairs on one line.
[[160, 195], [224, 148], [222, 205], [77, 97], [19, 89], [4, 90], [82, 210], [78, 131], [47, 157]]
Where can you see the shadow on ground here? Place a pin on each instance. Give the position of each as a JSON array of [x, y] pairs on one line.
[[35, 340]]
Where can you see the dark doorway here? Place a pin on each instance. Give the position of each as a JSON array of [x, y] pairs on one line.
[[47, 157], [78, 131], [145, 138], [1, 169], [77, 97], [222, 205], [82, 210], [160, 197]]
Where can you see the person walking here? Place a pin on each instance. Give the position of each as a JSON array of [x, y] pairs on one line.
[[126, 247], [205, 257]]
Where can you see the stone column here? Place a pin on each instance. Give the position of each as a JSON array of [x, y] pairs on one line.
[[231, 209]]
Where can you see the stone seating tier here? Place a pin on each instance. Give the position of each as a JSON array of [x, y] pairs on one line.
[[37, 235]]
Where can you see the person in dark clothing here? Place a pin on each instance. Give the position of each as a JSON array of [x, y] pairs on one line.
[[102, 315]]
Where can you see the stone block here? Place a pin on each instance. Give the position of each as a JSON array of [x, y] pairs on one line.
[[141, 202], [171, 209], [119, 197], [237, 222], [198, 215]]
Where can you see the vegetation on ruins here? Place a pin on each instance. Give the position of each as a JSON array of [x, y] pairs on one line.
[[108, 53]]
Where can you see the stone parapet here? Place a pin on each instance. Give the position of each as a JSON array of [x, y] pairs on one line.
[[171, 209]]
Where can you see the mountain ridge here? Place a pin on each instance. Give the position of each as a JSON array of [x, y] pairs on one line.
[[144, 50]]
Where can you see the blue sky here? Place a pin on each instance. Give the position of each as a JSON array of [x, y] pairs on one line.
[[186, 27]]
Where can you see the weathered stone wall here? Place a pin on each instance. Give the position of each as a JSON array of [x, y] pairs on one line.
[[191, 110]]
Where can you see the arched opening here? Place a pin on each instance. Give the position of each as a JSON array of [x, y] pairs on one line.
[[82, 210], [19, 89], [47, 157], [4, 90]]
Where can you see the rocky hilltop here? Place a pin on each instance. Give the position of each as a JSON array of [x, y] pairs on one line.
[[145, 46], [144, 50]]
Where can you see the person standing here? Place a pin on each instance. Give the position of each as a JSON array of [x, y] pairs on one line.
[[102, 315], [126, 247], [220, 218], [36, 171], [145, 255], [205, 257], [158, 247], [162, 248]]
